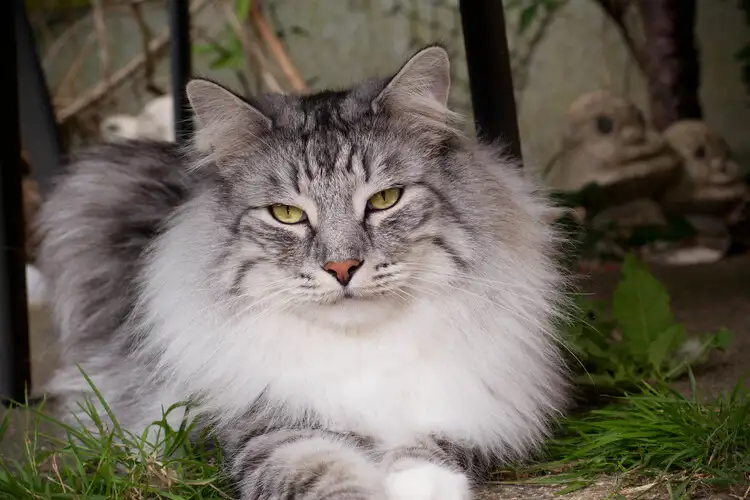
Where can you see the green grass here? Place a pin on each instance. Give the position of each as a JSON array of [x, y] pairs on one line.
[[660, 435], [684, 443], [105, 462]]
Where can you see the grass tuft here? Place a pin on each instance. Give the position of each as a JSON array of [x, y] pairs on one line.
[[658, 433], [103, 461]]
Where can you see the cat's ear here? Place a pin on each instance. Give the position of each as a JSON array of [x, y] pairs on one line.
[[224, 121], [421, 87]]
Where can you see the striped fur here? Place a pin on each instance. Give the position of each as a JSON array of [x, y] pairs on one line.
[[170, 280]]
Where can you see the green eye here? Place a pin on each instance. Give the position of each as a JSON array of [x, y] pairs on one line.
[[287, 214], [384, 199]]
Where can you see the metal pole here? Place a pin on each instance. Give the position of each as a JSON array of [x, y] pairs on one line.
[[38, 122], [179, 26], [15, 368], [490, 80]]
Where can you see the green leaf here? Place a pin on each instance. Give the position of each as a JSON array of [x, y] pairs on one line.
[[641, 308], [206, 48], [596, 379], [664, 344], [527, 17], [243, 9], [552, 5], [574, 486], [589, 349], [723, 338], [4, 424], [226, 60], [171, 496]]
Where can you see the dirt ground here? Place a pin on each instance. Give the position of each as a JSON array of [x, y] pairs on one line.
[[704, 297]]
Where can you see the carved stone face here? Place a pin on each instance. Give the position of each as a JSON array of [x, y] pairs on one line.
[[607, 142], [711, 181]]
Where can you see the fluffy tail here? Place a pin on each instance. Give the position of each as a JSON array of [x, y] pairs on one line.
[[108, 206]]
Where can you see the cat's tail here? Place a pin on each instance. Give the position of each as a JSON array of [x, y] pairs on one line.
[[107, 207]]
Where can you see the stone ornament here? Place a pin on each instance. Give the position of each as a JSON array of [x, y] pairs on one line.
[[156, 121], [607, 142], [711, 181]]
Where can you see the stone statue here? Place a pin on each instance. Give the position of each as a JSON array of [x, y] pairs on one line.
[[606, 142], [156, 121], [711, 181]]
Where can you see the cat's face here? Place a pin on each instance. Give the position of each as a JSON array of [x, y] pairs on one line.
[[338, 201]]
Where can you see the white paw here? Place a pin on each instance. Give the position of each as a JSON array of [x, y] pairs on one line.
[[427, 482]]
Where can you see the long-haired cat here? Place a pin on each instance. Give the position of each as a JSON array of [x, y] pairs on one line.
[[359, 299]]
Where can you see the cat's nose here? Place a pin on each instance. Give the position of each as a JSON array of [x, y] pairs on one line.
[[342, 271]]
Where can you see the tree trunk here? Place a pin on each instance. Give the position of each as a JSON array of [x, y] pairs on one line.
[[672, 66]]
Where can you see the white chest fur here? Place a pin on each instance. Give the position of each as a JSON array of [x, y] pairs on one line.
[[469, 365], [417, 374]]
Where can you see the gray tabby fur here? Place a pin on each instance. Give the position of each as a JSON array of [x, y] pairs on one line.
[[169, 280]]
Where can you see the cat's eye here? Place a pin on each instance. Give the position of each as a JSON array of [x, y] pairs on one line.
[[288, 214], [384, 199]]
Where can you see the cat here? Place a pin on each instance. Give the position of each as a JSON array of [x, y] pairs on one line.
[[358, 297]]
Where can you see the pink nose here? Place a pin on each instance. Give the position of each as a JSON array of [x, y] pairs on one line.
[[342, 271]]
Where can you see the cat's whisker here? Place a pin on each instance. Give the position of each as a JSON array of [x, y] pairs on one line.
[[501, 284], [254, 305], [524, 317], [255, 294], [440, 312], [246, 322], [470, 293], [562, 312], [509, 290], [554, 336]]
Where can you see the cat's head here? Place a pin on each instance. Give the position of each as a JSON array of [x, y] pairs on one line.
[[339, 201]]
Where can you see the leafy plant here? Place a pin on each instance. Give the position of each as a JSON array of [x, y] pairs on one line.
[[529, 10], [229, 51], [639, 339]]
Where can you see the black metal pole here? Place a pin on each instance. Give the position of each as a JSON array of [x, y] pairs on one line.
[[15, 367], [181, 66], [490, 80], [39, 128]]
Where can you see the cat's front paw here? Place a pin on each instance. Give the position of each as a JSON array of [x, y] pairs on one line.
[[427, 482]]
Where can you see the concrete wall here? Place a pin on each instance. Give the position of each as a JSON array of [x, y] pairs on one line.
[[336, 42], [583, 52]]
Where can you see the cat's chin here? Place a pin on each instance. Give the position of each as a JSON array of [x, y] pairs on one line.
[[352, 312]]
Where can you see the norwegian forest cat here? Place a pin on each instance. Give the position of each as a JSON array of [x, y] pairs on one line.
[[357, 297]]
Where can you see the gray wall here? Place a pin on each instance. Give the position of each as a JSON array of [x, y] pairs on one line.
[[336, 42]]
